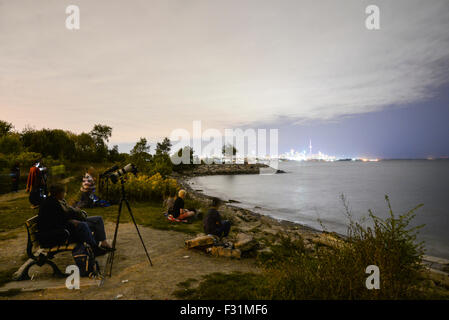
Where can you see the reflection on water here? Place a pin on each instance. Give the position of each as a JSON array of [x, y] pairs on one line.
[[311, 190]]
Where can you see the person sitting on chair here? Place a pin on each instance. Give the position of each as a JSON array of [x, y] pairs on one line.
[[212, 222], [59, 223], [178, 211]]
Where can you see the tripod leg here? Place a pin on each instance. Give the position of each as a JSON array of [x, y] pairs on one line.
[[110, 260], [138, 232]]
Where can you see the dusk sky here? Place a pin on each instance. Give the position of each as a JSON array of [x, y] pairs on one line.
[[308, 68]]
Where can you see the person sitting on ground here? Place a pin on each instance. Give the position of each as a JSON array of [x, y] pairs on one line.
[[212, 222], [169, 202], [59, 223], [178, 207], [88, 189]]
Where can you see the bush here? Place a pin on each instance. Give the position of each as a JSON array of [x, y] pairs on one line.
[[142, 187], [339, 272], [10, 144]]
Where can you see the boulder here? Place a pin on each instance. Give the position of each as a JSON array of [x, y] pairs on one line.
[[326, 239], [201, 241], [244, 242], [224, 252]]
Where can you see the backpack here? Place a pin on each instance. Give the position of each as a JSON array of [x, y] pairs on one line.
[[85, 260]]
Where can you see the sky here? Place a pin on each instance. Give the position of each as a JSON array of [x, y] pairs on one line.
[[310, 69]]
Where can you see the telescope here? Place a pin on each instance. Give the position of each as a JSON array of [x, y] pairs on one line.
[[114, 173], [109, 171]]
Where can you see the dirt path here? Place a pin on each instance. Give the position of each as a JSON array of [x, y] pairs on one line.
[[13, 195], [172, 263]]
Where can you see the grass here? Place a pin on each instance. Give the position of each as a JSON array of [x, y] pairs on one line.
[[14, 213], [149, 214]]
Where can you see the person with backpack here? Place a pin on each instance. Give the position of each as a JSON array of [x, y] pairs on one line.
[[169, 202], [213, 224], [36, 184]]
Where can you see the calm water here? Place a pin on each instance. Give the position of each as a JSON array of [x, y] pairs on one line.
[[311, 190]]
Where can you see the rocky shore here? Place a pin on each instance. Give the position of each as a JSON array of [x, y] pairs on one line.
[[227, 169], [262, 231]]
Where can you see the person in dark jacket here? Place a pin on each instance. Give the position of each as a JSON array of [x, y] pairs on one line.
[[212, 222], [53, 223], [59, 223], [15, 175]]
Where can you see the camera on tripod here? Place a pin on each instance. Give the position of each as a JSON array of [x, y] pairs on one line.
[[114, 173]]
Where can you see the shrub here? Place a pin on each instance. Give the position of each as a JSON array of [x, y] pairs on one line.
[[339, 272], [10, 144], [143, 187]]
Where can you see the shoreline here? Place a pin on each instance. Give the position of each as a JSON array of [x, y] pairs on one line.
[[248, 221], [228, 204], [263, 228]]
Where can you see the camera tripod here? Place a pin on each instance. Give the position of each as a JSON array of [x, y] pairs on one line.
[[110, 259]]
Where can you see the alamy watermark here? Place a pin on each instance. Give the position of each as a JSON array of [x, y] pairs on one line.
[[73, 280], [72, 22], [372, 21], [233, 146], [373, 280]]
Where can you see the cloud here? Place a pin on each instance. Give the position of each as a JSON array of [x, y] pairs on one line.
[[148, 67]]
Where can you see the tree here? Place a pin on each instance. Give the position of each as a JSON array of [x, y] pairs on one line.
[[55, 143], [5, 128], [161, 163], [101, 134], [10, 144], [140, 147], [114, 155], [140, 155], [163, 147], [84, 146]]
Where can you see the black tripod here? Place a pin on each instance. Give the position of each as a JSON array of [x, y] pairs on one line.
[[110, 260]]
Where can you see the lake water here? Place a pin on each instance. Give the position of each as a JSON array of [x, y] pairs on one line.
[[311, 191]]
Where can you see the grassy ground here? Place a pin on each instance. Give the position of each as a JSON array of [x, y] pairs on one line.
[[14, 213], [149, 214]]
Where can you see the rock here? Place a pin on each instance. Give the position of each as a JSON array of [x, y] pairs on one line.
[[224, 252], [202, 241], [263, 251], [244, 242], [328, 240]]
